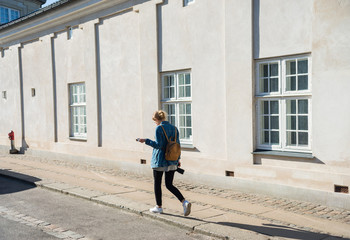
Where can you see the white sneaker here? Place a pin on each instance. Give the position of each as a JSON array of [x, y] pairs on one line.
[[156, 209], [187, 207]]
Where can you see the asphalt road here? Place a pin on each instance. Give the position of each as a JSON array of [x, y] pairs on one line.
[[31, 213]]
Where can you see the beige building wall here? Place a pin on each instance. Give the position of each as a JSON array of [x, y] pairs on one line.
[[38, 106], [11, 105], [119, 49], [331, 72], [184, 31]]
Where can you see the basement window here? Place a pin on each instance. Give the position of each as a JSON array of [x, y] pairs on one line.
[[143, 161], [341, 189], [188, 2]]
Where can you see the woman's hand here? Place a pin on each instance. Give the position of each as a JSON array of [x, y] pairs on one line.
[[142, 140], [179, 164]]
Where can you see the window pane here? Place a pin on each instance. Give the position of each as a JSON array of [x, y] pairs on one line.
[[274, 69], [302, 66], [181, 91], [303, 123], [170, 109], [274, 107], [274, 122], [291, 138], [181, 79], [172, 120], [264, 85], [82, 98], [265, 122], [291, 67], [266, 139], [291, 84], [188, 91], [188, 133], [82, 120], [303, 82], [265, 107], [275, 137], [188, 78], [172, 92], [303, 106], [264, 71], [6, 15], [188, 121], [182, 121], [168, 81], [166, 93], [274, 85], [291, 123], [303, 138], [291, 106], [182, 133], [188, 108], [182, 108]]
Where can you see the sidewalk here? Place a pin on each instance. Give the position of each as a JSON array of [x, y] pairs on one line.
[[215, 212]]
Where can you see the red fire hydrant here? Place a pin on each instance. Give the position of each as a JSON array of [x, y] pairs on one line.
[[12, 138]]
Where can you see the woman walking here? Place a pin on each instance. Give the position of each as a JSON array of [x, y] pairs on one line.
[[160, 165]]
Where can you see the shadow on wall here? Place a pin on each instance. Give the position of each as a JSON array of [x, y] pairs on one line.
[[259, 160]]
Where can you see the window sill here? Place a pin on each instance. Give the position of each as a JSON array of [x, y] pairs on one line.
[[78, 139], [188, 147], [284, 154]]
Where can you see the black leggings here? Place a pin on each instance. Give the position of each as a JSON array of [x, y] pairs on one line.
[[169, 177]]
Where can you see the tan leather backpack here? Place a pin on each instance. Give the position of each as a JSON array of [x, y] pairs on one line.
[[173, 148]]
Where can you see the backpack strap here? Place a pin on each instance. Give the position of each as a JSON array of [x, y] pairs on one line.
[[175, 134], [167, 135]]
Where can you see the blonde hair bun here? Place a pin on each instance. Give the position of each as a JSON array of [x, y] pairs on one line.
[[159, 115]]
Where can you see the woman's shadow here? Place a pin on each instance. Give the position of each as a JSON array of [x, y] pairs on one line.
[[272, 230]]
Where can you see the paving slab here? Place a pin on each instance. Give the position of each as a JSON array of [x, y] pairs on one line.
[[138, 196], [58, 186], [123, 203], [179, 220], [83, 192], [206, 212], [220, 202]]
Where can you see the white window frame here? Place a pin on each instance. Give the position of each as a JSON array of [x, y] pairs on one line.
[[82, 127], [9, 14], [282, 95], [176, 100]]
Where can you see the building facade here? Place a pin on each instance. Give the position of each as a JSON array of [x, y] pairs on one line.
[[11, 10], [258, 89]]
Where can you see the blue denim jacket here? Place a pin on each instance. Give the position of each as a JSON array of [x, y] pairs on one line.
[[159, 145]]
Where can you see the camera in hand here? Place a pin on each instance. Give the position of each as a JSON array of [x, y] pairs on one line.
[[180, 170]]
